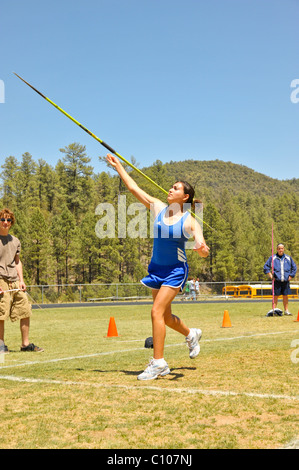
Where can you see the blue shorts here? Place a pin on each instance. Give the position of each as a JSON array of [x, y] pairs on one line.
[[282, 288], [171, 276]]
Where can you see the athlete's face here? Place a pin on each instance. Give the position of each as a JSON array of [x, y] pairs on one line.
[[176, 194], [280, 250]]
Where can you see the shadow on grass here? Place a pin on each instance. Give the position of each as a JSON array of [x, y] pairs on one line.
[[173, 375]]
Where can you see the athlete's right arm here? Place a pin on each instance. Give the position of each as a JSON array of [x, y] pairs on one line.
[[132, 186], [194, 229]]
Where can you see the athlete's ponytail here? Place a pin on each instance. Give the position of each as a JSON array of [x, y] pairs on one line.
[[188, 189]]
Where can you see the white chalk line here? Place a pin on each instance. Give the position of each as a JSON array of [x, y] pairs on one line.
[[120, 351], [148, 387], [192, 391]]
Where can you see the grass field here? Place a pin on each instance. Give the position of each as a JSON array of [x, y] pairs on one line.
[[82, 392]]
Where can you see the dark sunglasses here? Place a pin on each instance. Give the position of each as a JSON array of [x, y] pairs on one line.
[[3, 220]]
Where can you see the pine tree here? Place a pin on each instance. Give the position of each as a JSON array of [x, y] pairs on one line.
[[26, 187], [46, 181], [63, 229], [9, 177], [39, 250], [76, 178]]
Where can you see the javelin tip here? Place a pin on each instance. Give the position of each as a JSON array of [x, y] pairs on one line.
[[21, 78], [31, 86]]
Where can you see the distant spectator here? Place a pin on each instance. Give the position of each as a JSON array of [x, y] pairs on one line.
[[284, 270], [197, 287], [187, 290], [192, 289]]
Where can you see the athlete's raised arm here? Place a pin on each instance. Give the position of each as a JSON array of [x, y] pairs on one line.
[[132, 186]]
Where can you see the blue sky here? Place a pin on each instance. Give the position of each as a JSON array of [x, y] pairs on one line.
[[155, 79]]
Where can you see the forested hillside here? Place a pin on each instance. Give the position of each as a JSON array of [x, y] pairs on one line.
[[56, 210]]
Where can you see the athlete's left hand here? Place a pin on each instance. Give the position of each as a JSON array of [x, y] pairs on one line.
[[202, 249]]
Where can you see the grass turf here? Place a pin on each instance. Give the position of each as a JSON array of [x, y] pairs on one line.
[[82, 391]]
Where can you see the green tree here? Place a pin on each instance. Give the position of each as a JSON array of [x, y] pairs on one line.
[[39, 250], [46, 182], [9, 177], [63, 230], [88, 249], [26, 188], [75, 177]]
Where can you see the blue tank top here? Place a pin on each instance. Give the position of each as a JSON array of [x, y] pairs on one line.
[[169, 241]]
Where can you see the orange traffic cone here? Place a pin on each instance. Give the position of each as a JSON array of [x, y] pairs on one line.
[[112, 330], [226, 323], [297, 317]]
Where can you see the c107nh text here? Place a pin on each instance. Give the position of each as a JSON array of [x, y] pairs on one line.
[[164, 459]]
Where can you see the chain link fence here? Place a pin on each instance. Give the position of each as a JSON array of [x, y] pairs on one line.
[[81, 293]]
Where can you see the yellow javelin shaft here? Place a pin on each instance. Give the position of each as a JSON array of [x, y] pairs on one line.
[[102, 142], [92, 134]]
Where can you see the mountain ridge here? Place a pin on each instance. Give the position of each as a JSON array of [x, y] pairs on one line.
[[217, 175]]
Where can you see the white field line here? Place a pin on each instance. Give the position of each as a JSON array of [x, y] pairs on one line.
[[148, 387], [120, 351], [294, 444], [191, 391]]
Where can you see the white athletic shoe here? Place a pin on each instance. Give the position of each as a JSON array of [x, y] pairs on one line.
[[153, 371], [287, 312], [193, 345]]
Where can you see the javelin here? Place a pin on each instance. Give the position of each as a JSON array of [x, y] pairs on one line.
[[102, 142], [17, 290], [10, 290]]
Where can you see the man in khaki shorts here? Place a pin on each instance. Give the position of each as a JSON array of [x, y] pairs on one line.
[[14, 303]]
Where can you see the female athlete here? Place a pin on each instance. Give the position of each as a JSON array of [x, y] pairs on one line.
[[168, 269]]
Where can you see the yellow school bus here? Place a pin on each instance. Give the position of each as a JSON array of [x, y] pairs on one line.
[[255, 291], [230, 290]]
